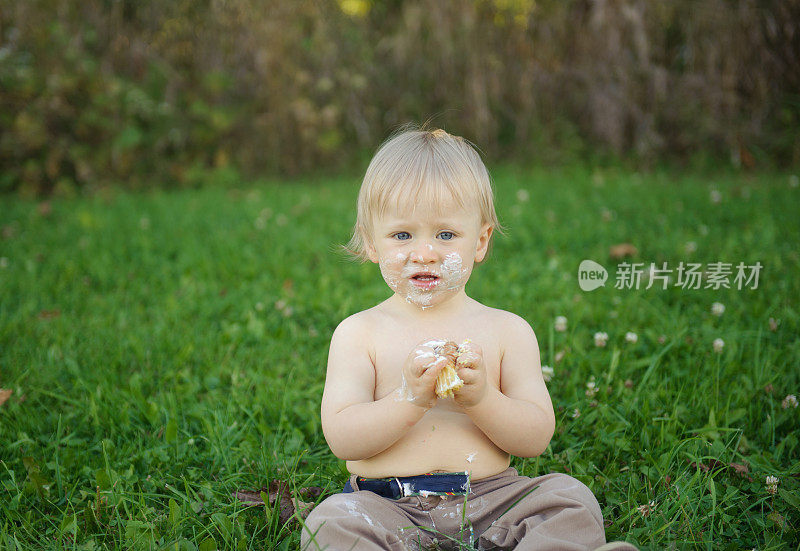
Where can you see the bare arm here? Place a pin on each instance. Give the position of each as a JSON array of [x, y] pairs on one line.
[[356, 426], [519, 416]]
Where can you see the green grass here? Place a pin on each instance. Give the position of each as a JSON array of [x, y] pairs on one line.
[[165, 350]]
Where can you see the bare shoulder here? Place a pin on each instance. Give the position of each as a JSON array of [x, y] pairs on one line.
[[354, 328], [507, 325], [356, 331], [354, 323]]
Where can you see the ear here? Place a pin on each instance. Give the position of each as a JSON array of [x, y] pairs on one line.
[[372, 254], [484, 237]]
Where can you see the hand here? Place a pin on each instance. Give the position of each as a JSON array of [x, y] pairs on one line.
[[472, 370], [419, 375]]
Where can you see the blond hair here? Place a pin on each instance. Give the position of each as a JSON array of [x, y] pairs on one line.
[[415, 166]]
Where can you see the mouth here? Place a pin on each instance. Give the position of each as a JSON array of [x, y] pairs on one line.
[[425, 280]]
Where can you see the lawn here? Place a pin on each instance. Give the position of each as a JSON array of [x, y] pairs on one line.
[[167, 349]]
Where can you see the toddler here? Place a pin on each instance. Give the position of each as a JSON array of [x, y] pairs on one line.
[[431, 472]]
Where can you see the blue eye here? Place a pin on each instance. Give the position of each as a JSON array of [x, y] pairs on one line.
[[402, 235], [446, 235]]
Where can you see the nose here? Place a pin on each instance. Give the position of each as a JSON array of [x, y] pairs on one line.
[[423, 253]]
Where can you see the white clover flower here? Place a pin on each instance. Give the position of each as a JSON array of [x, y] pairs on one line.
[[773, 324], [3, 262], [283, 307], [716, 196], [576, 413], [647, 508], [547, 373], [772, 484], [591, 387], [717, 308], [690, 247], [718, 345], [600, 339], [631, 337], [789, 402], [523, 195], [560, 324]]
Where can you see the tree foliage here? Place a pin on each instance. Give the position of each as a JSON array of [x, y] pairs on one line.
[[145, 92]]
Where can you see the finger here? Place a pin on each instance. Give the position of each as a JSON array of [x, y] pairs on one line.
[[432, 343], [469, 359], [425, 365], [469, 346], [467, 375], [422, 358], [433, 369]]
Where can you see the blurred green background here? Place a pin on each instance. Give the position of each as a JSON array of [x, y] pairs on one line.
[[162, 347], [140, 93]]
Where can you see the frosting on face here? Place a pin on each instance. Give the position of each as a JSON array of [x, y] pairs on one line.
[[398, 271], [453, 272]]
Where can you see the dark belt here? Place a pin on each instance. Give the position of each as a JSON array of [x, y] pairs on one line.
[[436, 484]]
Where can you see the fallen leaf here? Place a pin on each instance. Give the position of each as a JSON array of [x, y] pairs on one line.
[[622, 250], [49, 314], [5, 394], [741, 470], [279, 495]]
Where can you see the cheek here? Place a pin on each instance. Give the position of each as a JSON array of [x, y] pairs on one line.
[[391, 266], [452, 264], [453, 270], [393, 261]]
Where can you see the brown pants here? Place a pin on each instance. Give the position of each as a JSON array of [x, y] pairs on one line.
[[505, 511]]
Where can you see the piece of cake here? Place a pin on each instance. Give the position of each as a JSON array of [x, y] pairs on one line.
[[448, 380]]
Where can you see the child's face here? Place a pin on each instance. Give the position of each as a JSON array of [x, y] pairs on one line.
[[426, 256]]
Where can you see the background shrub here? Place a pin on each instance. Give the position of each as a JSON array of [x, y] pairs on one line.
[[143, 93]]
